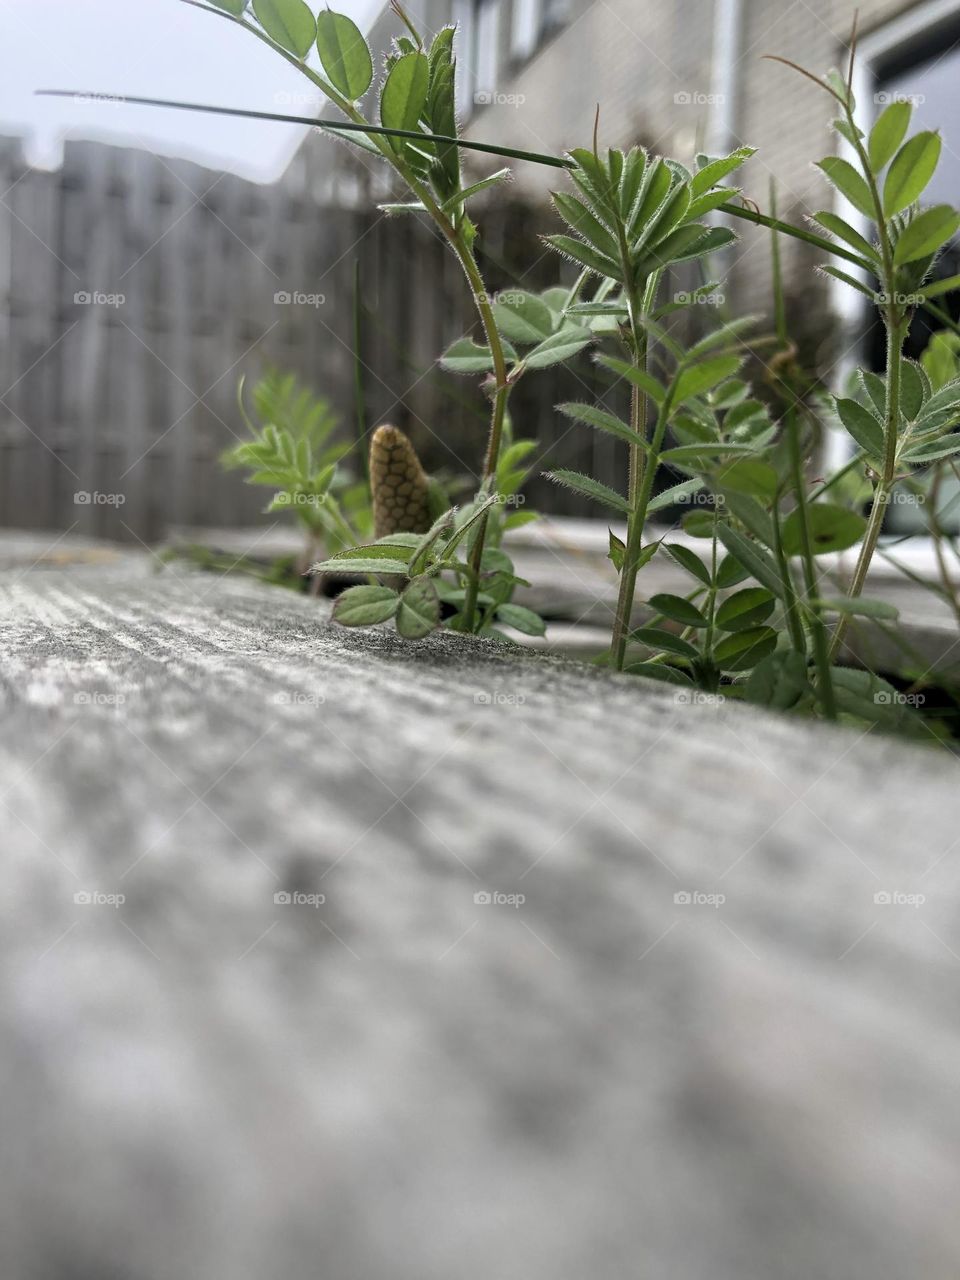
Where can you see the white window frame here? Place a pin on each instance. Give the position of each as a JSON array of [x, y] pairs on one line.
[[525, 28], [478, 51]]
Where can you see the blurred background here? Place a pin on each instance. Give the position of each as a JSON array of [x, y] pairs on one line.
[[149, 258]]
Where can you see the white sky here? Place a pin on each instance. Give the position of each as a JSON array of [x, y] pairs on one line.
[[154, 49]]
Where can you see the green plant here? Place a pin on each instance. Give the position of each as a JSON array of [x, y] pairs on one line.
[[901, 423], [417, 561], [291, 451], [761, 617], [417, 137], [633, 217]]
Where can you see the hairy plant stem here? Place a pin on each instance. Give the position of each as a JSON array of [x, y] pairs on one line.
[[628, 573], [821, 647], [640, 466], [791, 603], [818, 630], [712, 673], [642, 469], [636, 522], [452, 231], [881, 496], [896, 326]]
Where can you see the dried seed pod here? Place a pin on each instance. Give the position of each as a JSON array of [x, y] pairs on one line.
[[399, 485]]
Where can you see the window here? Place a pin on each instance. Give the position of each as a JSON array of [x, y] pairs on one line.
[[917, 56], [926, 72], [525, 33], [479, 25]]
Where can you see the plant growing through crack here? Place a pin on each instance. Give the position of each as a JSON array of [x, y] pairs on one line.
[[627, 231], [417, 136], [292, 451], [758, 617]]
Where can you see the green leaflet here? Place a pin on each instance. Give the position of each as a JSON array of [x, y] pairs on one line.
[[289, 22], [344, 54]]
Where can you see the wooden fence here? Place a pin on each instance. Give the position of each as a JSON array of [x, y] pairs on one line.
[[135, 290]]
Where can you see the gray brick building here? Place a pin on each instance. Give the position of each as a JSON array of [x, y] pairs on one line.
[[690, 75], [679, 78]]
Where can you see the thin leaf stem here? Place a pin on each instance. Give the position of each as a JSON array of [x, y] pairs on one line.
[[896, 328], [636, 522], [821, 647]]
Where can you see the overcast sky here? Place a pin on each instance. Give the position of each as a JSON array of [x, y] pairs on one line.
[[156, 49]]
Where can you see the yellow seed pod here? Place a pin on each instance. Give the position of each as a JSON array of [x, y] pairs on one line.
[[398, 483]]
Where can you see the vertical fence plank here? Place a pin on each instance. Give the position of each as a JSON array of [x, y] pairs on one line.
[[200, 258]]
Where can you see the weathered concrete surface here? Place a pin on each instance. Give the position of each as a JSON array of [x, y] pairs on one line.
[[403, 1082], [574, 586]]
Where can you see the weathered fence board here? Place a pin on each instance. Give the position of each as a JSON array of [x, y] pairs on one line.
[[137, 397], [404, 1081]]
